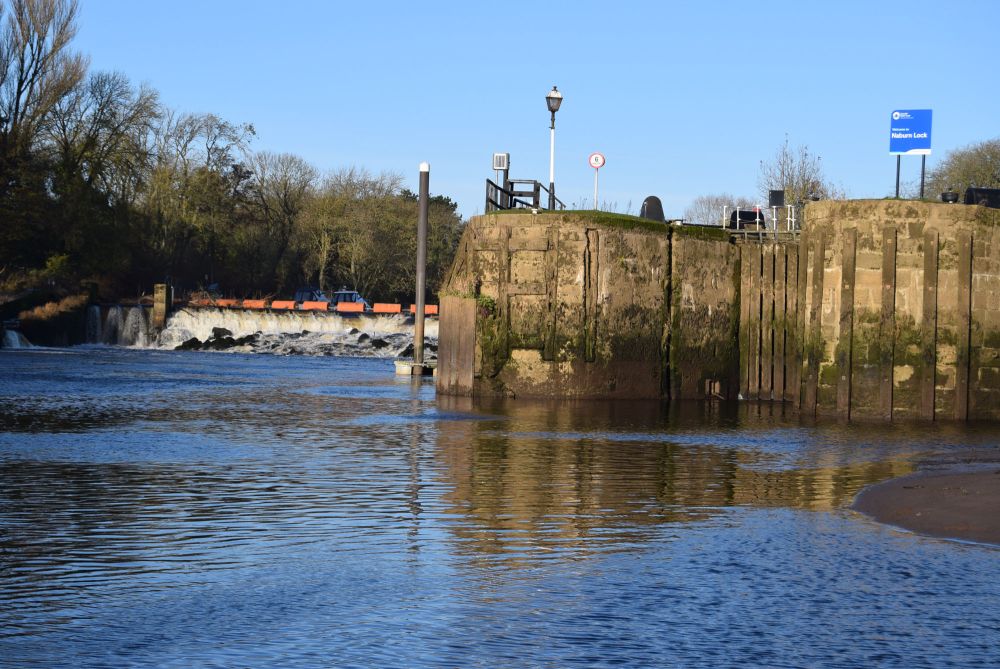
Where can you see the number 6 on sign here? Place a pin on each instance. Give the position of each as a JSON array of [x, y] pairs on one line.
[[596, 161]]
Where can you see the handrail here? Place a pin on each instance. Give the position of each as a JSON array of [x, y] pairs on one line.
[[499, 198]]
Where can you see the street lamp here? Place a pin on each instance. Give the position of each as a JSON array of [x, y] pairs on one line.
[[553, 100]]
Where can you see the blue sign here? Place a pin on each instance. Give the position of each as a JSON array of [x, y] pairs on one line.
[[910, 132]]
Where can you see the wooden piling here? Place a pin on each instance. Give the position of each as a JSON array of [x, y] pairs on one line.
[[793, 361], [780, 321], [962, 359], [928, 331], [767, 322], [845, 344], [801, 338], [503, 289], [753, 359], [551, 292], [887, 323], [591, 268], [814, 341], [744, 331]]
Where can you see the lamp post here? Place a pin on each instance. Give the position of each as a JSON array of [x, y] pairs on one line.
[[553, 100]]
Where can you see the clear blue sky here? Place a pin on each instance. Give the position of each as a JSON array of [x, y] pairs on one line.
[[683, 99]]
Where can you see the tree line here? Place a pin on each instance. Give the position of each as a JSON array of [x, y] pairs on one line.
[[101, 181]]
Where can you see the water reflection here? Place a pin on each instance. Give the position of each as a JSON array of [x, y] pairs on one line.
[[213, 499], [585, 477]]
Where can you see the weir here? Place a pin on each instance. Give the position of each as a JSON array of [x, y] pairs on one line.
[[879, 309], [262, 330]]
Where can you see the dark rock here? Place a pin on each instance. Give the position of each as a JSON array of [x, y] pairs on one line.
[[219, 333], [363, 338], [378, 343], [192, 344], [354, 331], [220, 343]]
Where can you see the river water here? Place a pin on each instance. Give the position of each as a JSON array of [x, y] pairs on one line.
[[179, 509]]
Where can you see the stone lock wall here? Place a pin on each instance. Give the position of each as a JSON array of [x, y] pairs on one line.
[[585, 304], [881, 309]]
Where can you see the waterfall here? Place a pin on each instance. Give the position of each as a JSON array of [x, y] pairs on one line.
[[14, 339], [112, 325], [135, 329], [93, 324]]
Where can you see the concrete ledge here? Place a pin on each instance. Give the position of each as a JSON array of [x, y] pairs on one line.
[[409, 368]]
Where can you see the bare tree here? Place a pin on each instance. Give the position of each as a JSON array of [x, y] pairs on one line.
[[709, 209], [36, 67], [798, 173], [281, 186], [96, 134]]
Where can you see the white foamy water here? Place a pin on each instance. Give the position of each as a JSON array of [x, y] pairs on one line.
[[306, 333]]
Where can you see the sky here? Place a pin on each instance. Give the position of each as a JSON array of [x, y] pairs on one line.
[[683, 98]]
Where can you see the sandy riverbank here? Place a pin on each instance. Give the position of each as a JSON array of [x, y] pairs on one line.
[[954, 499]]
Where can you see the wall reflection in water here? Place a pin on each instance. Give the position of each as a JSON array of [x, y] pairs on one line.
[[598, 475]]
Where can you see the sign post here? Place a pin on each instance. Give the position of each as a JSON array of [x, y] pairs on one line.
[[596, 161], [910, 135]]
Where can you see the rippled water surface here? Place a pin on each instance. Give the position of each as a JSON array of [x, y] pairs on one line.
[[167, 509]]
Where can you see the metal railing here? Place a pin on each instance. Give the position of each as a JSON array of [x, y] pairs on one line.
[[510, 196], [780, 228]]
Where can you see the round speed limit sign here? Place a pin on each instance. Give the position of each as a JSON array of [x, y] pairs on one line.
[[597, 160]]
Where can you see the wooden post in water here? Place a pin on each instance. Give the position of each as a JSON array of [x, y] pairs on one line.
[[418, 324]]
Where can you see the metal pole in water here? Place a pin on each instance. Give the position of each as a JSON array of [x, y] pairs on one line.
[[418, 325]]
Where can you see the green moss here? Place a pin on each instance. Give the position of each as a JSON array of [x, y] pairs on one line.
[[603, 218], [828, 375], [992, 339], [493, 341], [987, 216], [702, 232]]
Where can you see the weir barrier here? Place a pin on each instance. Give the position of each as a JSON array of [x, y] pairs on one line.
[[879, 309]]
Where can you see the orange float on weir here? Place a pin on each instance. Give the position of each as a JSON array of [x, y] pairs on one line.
[[283, 304], [429, 309], [226, 303], [315, 306], [254, 304], [351, 307], [384, 308]]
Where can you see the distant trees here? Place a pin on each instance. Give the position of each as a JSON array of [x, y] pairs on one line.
[[99, 180], [360, 230], [976, 165], [709, 209]]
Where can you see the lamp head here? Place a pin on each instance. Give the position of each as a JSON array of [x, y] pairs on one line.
[[553, 100]]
